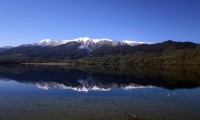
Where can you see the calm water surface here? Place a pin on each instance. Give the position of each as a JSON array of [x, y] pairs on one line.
[[99, 93]]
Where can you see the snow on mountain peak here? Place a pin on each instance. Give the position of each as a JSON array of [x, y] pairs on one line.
[[82, 39], [45, 40], [102, 39], [129, 41], [61, 42], [133, 43], [89, 43]]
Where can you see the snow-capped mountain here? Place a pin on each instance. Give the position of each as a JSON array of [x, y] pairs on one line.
[[88, 43], [46, 42], [72, 49], [134, 43]]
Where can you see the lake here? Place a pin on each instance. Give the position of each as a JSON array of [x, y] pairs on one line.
[[33, 92]]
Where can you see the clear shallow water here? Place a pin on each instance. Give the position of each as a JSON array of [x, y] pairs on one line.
[[88, 93]]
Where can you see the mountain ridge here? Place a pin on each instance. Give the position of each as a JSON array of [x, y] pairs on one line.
[[105, 52], [85, 40], [86, 43]]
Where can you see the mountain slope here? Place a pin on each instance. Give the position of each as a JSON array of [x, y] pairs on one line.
[[168, 52], [36, 53], [5, 48], [2, 49], [106, 52], [145, 48]]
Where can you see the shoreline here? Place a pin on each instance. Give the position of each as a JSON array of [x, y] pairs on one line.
[[52, 63]]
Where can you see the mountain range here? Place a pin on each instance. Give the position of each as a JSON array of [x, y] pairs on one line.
[[86, 43], [103, 51]]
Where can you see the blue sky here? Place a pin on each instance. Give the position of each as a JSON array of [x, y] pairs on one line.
[[28, 21]]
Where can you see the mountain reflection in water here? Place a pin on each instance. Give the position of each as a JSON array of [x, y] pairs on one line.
[[104, 78], [109, 93]]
